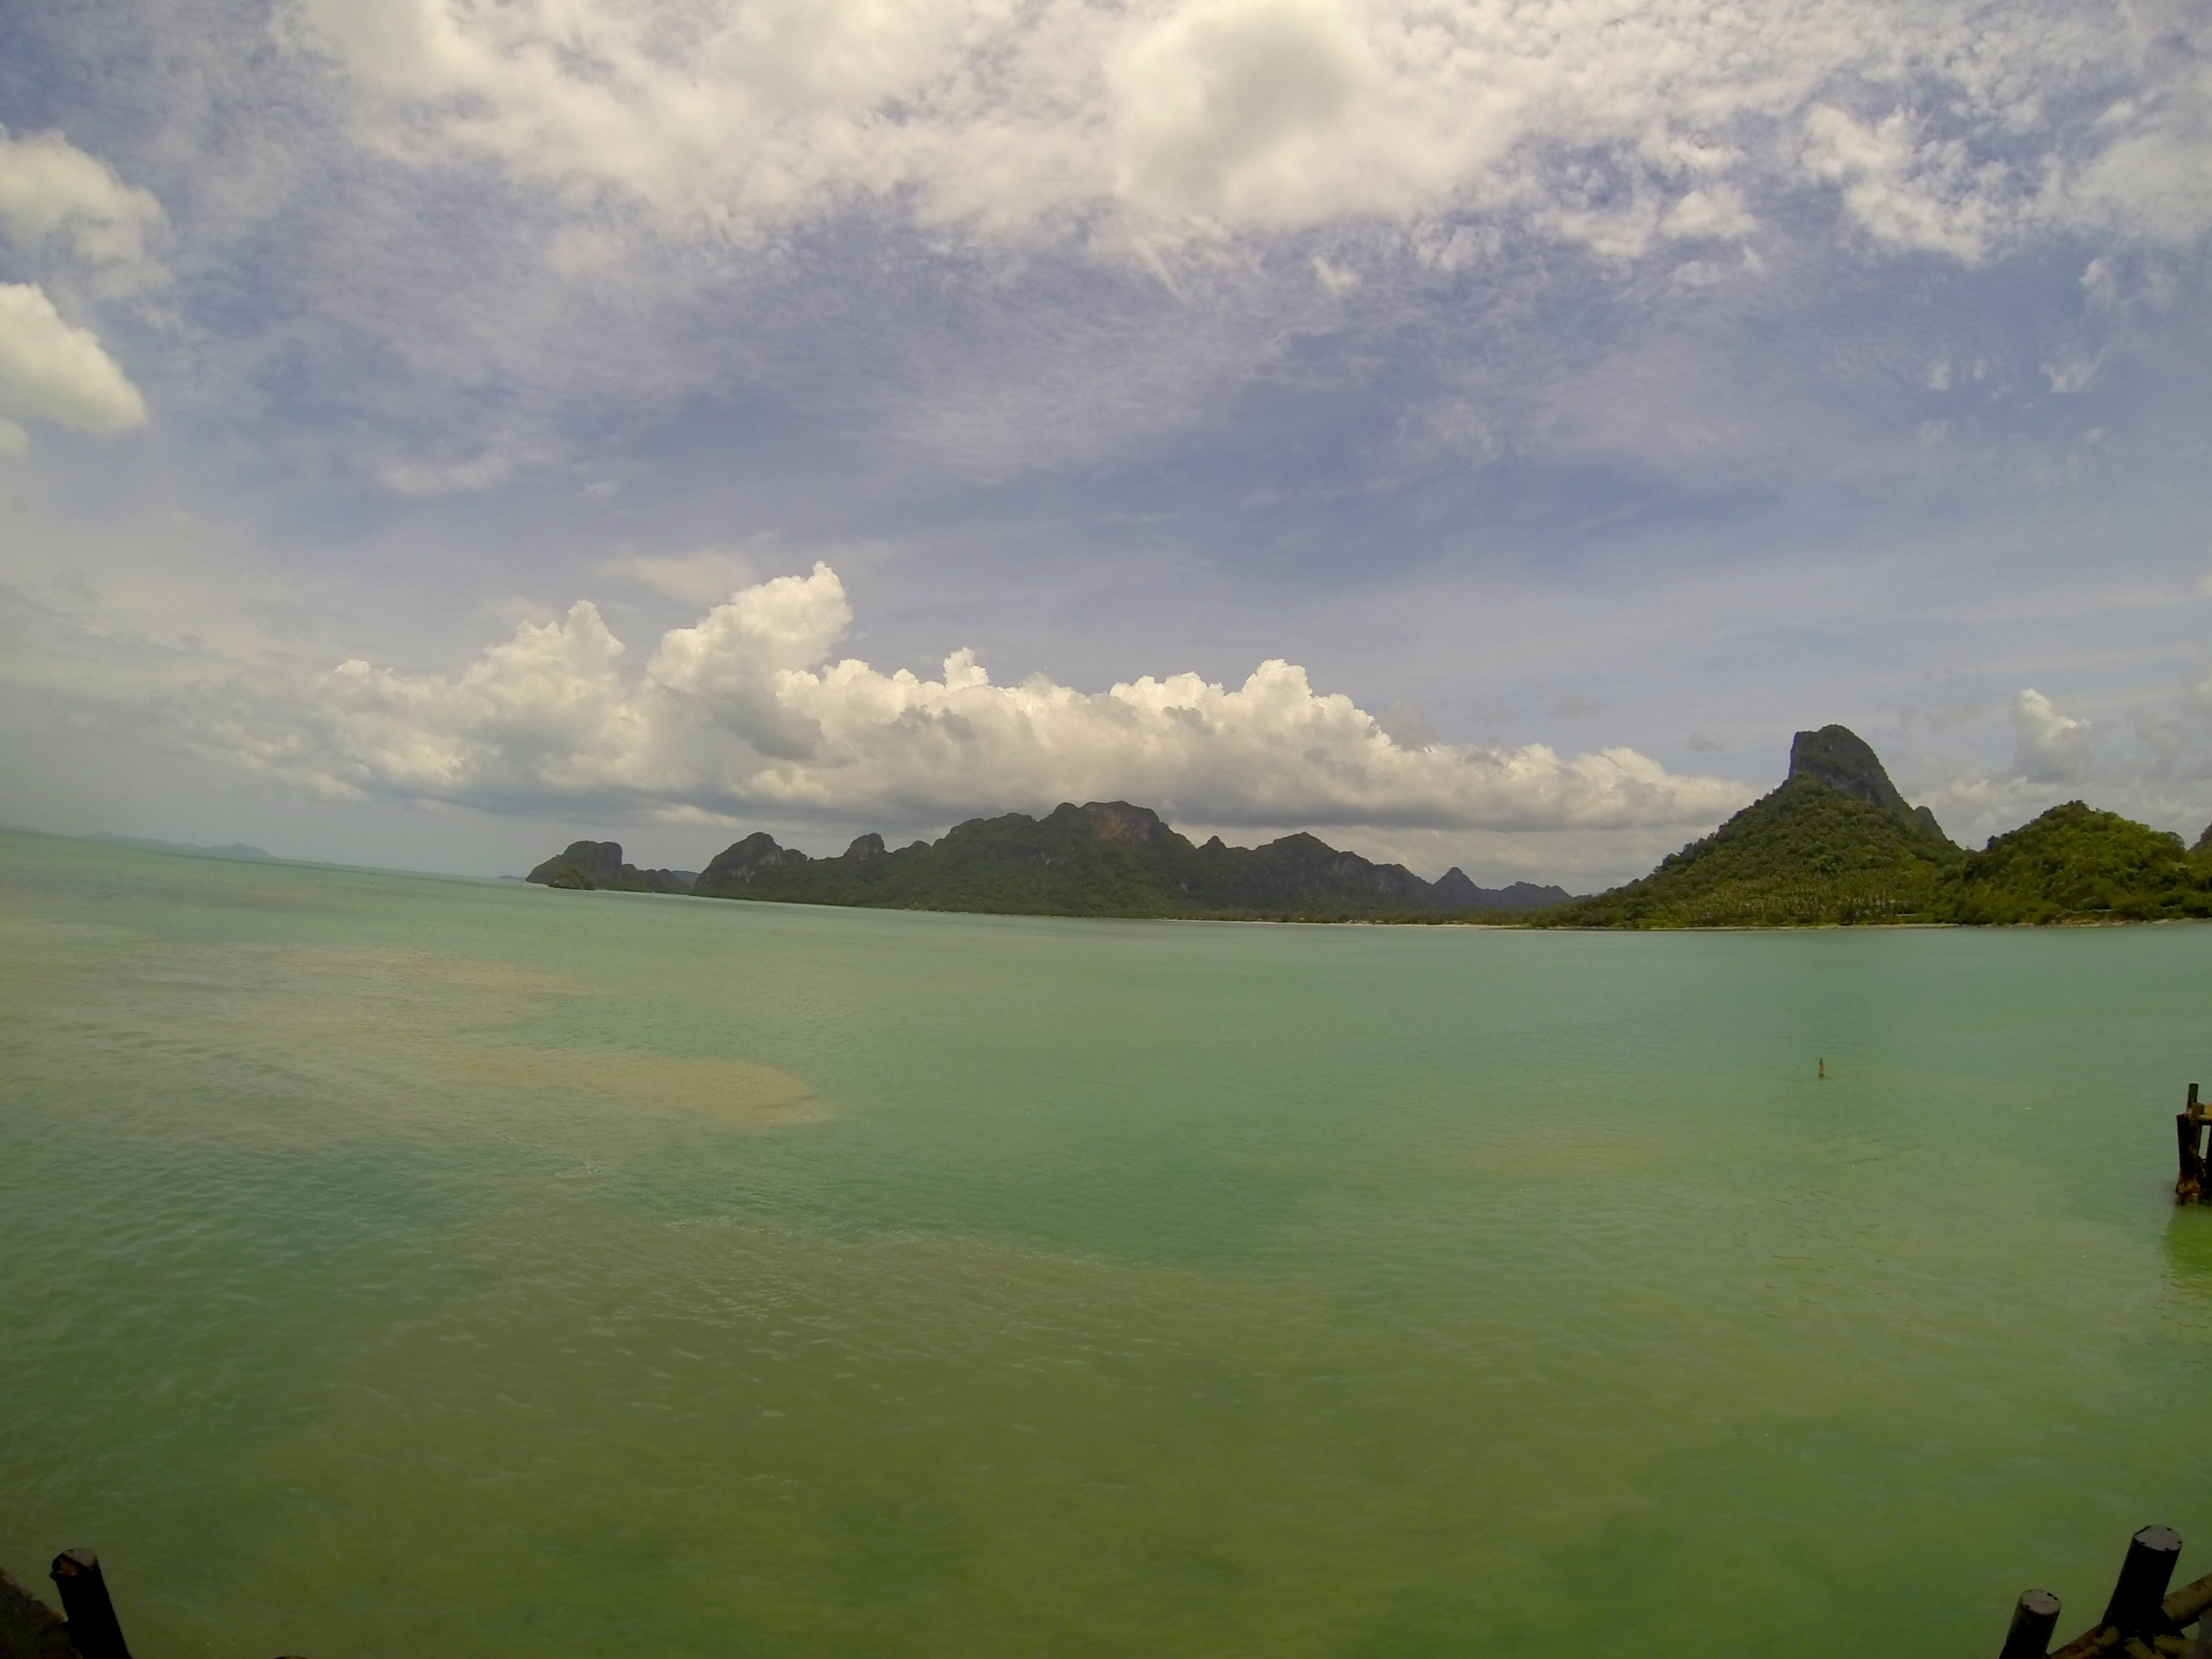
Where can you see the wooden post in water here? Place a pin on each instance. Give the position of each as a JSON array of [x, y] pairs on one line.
[[2143, 1621], [2034, 1619], [83, 1588], [2188, 1134], [2136, 1608]]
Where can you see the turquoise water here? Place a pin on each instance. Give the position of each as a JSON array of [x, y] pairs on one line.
[[399, 1267]]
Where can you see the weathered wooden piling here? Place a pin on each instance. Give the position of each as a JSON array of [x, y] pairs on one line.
[[2136, 1608], [2143, 1620], [2189, 1137], [2033, 1619], [91, 1615]]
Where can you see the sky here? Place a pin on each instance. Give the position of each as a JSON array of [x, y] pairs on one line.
[[1478, 432]]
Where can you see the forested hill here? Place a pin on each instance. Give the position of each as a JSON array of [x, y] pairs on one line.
[[1102, 858], [1837, 843], [2076, 864]]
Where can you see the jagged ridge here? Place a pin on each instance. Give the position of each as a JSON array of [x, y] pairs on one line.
[[1101, 859]]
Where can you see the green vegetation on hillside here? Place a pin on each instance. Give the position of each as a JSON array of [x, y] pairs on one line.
[[1806, 854], [1105, 858], [2076, 864], [1837, 843]]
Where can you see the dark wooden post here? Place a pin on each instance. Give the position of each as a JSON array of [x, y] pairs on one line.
[[2032, 1621], [2188, 1134], [2144, 1575], [91, 1615]]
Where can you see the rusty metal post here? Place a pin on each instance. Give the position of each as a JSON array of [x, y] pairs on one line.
[[2032, 1620], [2144, 1575], [83, 1588]]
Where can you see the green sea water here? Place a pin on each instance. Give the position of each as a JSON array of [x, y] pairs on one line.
[[401, 1266]]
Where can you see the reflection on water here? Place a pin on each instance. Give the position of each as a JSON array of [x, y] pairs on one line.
[[2189, 1249], [399, 1266]]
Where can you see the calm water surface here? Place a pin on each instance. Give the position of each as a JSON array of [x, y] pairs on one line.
[[397, 1266]]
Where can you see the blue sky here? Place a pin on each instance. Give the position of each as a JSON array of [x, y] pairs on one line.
[[1480, 432]]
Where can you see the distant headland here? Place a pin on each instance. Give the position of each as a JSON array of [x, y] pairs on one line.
[[1836, 844], [236, 849]]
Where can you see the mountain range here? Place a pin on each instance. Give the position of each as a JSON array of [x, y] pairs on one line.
[[1836, 843], [1101, 859]]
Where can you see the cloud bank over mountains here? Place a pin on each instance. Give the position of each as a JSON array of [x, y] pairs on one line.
[[745, 714]]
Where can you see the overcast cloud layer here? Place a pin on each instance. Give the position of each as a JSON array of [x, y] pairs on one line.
[[1585, 396]]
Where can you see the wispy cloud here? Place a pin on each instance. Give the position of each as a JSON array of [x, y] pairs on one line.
[[1156, 126]]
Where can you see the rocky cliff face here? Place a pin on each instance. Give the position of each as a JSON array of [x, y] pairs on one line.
[[742, 864], [1838, 758]]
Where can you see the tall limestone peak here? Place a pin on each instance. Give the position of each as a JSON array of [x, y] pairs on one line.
[[1834, 842], [1839, 757], [1116, 820], [741, 864], [584, 863]]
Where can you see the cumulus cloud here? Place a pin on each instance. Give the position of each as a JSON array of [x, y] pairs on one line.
[[1150, 125], [744, 713], [2051, 747], [2053, 760], [58, 372], [57, 199]]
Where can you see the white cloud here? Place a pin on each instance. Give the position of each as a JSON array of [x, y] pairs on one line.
[[1232, 108], [743, 713], [2052, 761], [54, 196], [55, 371], [2050, 747], [1161, 124], [1903, 188]]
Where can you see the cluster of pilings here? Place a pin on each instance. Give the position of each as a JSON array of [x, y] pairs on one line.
[[2142, 1620], [2189, 1130]]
